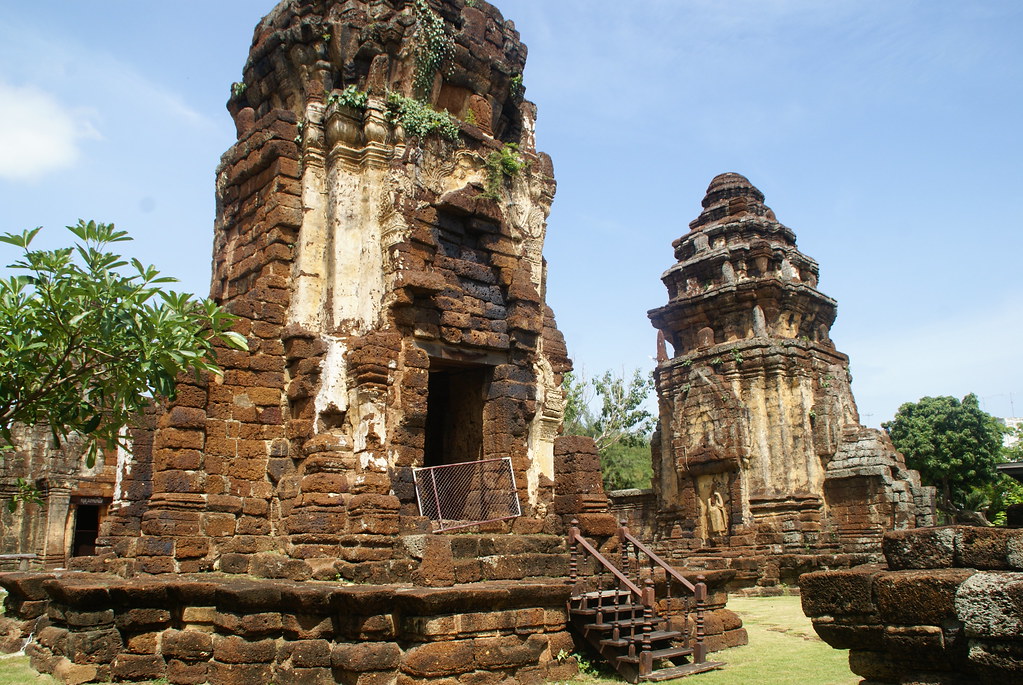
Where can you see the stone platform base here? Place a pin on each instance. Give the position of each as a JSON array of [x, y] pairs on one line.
[[236, 631], [763, 570], [946, 610]]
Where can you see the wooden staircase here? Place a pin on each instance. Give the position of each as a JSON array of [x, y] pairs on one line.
[[621, 622]]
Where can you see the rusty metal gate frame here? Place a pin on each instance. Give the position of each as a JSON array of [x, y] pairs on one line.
[[428, 474]]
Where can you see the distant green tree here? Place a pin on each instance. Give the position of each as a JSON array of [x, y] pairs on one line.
[[1006, 491], [621, 430], [627, 465], [953, 444], [578, 394], [84, 347]]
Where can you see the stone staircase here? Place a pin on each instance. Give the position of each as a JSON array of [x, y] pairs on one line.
[[622, 623]]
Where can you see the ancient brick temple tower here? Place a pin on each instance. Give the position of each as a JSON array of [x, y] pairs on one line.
[[388, 274], [760, 458]]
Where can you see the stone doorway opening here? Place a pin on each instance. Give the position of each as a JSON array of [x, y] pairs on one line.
[[86, 530], [454, 412]]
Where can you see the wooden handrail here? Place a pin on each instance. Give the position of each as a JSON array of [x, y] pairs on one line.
[[626, 535], [699, 589], [574, 534], [646, 595]]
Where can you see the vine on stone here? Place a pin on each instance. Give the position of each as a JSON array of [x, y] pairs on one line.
[[501, 164], [433, 46], [349, 97], [419, 119]]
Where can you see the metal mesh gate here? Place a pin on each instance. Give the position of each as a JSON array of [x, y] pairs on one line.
[[467, 493]]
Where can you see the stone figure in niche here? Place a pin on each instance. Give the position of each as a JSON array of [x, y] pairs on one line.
[[717, 514]]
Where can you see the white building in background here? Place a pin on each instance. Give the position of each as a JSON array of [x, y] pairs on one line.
[[1013, 425]]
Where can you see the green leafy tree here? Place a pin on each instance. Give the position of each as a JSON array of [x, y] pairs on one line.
[[627, 465], [622, 417], [84, 347], [1006, 491], [578, 393], [953, 444], [621, 430]]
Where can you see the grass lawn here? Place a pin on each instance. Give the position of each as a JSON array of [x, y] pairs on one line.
[[783, 650], [14, 670]]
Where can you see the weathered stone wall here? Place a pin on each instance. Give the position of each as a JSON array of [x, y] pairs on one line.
[[209, 629], [947, 609], [391, 289], [638, 509], [62, 481], [760, 463], [722, 627], [580, 486]]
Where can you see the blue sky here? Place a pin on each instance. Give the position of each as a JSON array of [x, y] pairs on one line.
[[885, 134]]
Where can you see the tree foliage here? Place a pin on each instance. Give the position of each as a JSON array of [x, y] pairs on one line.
[[621, 429], [85, 348], [953, 444], [627, 465], [1006, 491]]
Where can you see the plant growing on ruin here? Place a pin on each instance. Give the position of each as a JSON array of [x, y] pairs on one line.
[[432, 46], [90, 337], [717, 361], [419, 119], [953, 444], [26, 492], [516, 88], [238, 89], [470, 3], [501, 164], [349, 96], [737, 356]]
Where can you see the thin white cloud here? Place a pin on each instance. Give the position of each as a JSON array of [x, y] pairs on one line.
[[38, 134], [93, 74]]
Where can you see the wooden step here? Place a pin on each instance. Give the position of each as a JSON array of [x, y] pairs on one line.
[[680, 671], [655, 636], [596, 594], [602, 598], [624, 623], [655, 654], [610, 609]]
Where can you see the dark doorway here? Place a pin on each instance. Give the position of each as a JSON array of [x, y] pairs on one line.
[[86, 530], [454, 413]]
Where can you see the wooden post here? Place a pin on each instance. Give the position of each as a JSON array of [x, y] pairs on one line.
[[646, 657], [623, 545], [700, 649]]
